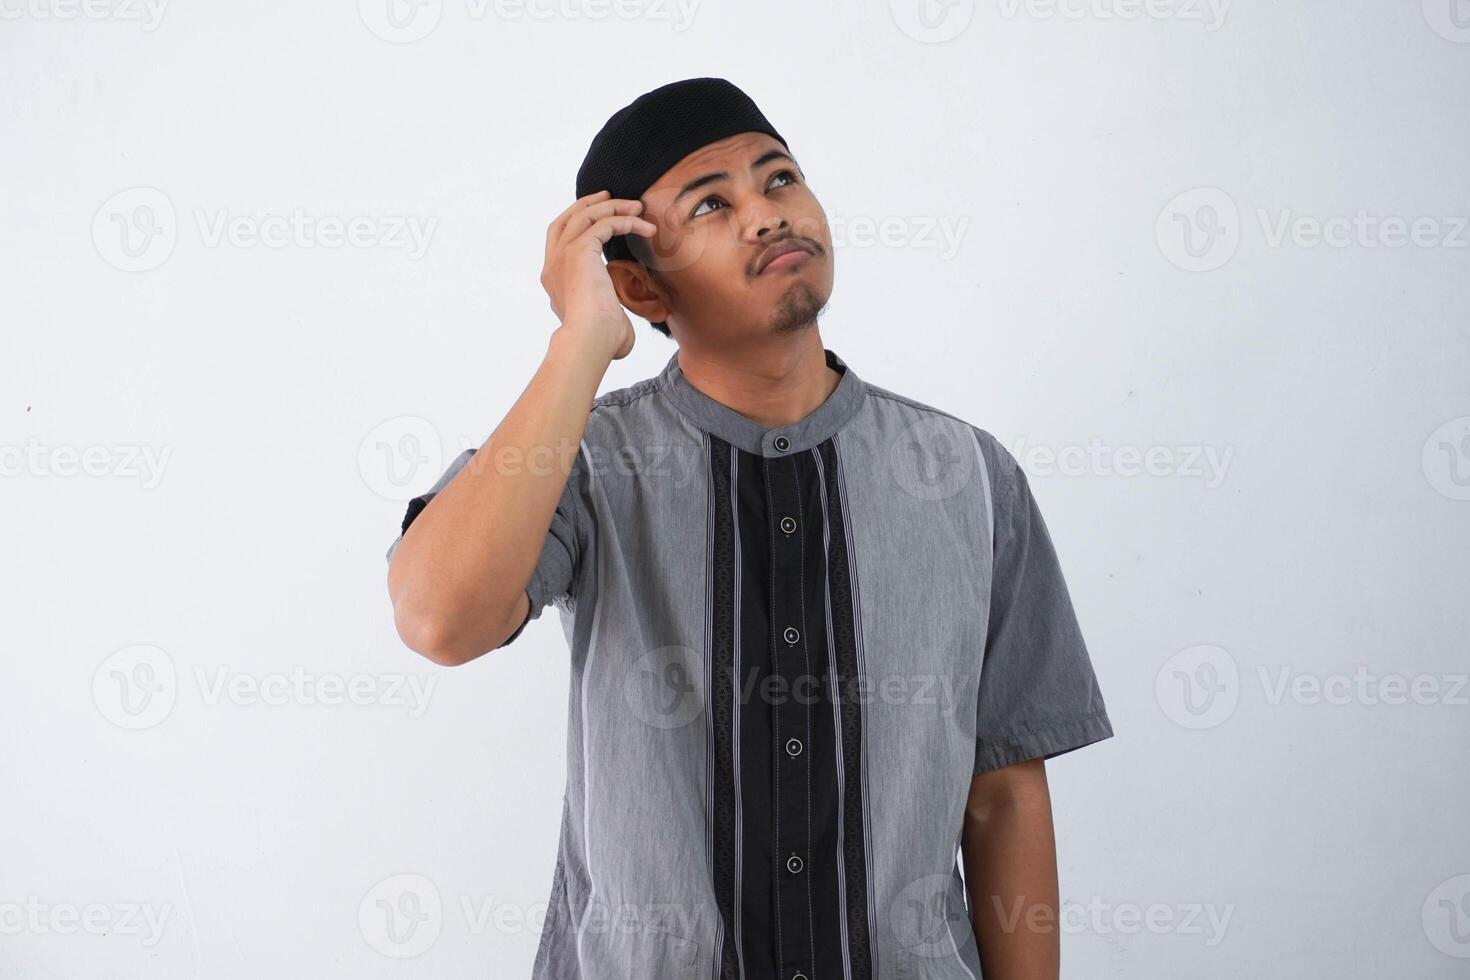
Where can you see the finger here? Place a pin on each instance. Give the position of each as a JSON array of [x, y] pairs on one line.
[[580, 221], [557, 230], [619, 224], [576, 205], [558, 224]]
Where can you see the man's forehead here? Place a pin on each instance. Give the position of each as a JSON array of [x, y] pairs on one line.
[[733, 153]]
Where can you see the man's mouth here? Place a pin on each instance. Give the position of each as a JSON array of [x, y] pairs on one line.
[[783, 254]]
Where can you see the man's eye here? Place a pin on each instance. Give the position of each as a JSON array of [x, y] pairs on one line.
[[695, 212], [788, 174]]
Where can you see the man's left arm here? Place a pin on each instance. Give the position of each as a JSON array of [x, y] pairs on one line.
[[1038, 698], [1010, 866]]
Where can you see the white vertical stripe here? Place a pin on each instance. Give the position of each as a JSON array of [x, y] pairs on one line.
[[806, 658], [984, 484], [587, 770], [709, 705], [857, 632], [836, 724]]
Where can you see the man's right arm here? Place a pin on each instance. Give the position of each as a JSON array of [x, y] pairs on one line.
[[458, 577]]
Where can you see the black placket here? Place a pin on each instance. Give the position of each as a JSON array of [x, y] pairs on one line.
[[794, 693], [787, 810]]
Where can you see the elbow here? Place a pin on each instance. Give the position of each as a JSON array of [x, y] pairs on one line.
[[444, 638], [426, 636], [421, 628], [448, 634]]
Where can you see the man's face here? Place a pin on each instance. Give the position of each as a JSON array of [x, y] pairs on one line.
[[717, 212]]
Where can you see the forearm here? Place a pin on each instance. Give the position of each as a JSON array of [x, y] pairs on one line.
[[457, 576], [1009, 853]]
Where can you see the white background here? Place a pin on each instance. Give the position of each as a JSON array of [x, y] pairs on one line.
[[291, 396]]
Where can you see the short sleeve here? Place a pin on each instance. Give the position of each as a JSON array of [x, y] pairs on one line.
[[1039, 695], [554, 575]]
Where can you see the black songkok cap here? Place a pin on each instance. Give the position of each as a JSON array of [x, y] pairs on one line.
[[642, 140]]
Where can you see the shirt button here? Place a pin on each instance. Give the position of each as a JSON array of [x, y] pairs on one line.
[[793, 747], [782, 444], [788, 524], [793, 864], [791, 635]]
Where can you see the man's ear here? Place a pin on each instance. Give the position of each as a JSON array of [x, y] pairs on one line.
[[638, 289]]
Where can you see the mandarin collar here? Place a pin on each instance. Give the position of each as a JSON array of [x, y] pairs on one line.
[[817, 427]]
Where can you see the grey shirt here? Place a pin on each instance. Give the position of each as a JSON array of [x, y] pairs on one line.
[[791, 649]]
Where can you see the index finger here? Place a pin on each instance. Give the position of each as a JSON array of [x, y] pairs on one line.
[[554, 230]]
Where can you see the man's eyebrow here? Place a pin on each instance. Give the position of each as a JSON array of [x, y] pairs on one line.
[[720, 175]]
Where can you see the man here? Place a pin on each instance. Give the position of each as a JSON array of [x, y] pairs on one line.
[[820, 639]]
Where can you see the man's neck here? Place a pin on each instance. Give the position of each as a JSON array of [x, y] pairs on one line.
[[772, 386]]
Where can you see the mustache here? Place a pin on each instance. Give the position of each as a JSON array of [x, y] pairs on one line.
[[812, 245]]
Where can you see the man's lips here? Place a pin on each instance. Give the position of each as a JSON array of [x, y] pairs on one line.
[[786, 253]]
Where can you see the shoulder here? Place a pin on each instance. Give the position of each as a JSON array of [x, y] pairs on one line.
[[1000, 466], [633, 422], [629, 395], [630, 419]]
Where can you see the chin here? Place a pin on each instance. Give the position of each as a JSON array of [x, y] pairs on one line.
[[798, 307]]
